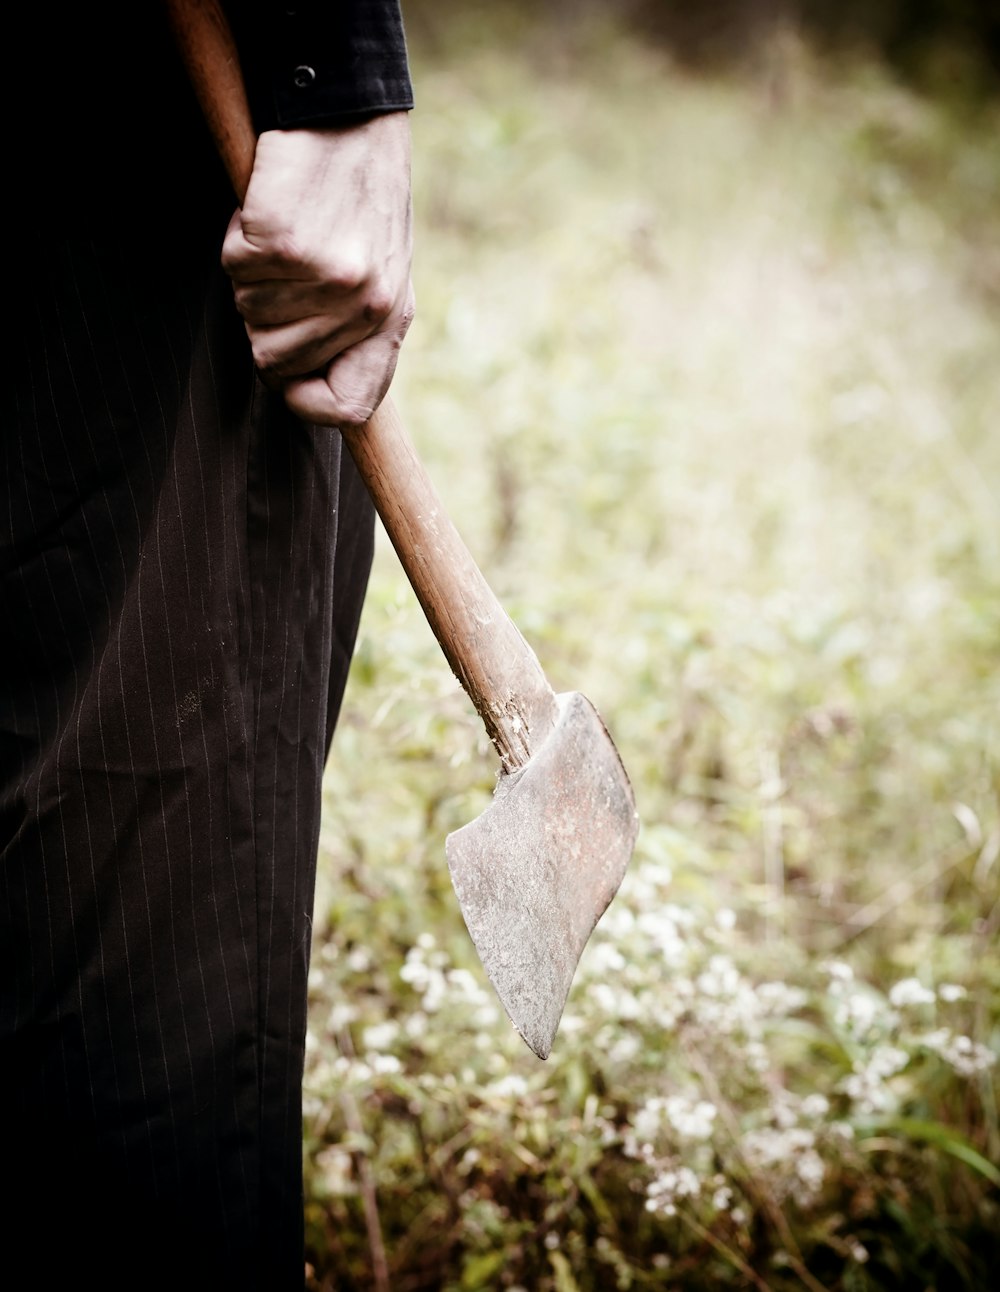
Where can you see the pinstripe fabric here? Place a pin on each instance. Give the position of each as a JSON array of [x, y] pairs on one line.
[[181, 571]]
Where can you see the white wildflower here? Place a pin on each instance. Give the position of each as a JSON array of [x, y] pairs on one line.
[[485, 1017], [648, 1120], [639, 1152], [788, 1156], [624, 1049], [725, 919], [887, 1060], [511, 1086], [839, 971], [661, 928], [616, 1003], [966, 1056], [380, 1036], [689, 1119], [341, 1014], [815, 1106], [384, 1064], [949, 992], [784, 1109], [359, 960], [466, 985], [721, 978], [688, 1184], [336, 1168], [778, 998], [666, 1014], [866, 1087], [810, 1170], [434, 991], [859, 1011], [604, 958], [665, 1188], [771, 1147], [427, 979], [910, 991], [356, 1072], [619, 922], [414, 969], [415, 1026], [722, 1198]]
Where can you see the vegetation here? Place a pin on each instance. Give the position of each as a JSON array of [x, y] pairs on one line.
[[708, 372]]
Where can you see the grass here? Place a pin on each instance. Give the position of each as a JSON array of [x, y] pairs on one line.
[[706, 370]]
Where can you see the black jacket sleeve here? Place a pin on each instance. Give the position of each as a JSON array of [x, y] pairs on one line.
[[321, 62]]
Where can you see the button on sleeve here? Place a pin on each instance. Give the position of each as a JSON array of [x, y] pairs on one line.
[[322, 62]]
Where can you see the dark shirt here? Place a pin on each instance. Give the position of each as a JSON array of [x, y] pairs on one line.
[[102, 123], [315, 62]]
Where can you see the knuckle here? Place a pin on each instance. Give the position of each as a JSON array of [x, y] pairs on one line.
[[232, 249], [265, 357], [287, 249], [378, 302], [244, 300], [395, 335], [277, 244], [342, 271]]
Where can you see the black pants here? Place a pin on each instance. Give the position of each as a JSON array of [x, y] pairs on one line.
[[181, 572]]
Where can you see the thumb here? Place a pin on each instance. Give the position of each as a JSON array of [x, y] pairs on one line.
[[352, 387]]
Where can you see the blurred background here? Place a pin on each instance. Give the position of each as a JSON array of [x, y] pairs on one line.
[[707, 369]]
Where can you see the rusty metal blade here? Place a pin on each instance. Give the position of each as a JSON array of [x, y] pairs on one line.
[[536, 871]]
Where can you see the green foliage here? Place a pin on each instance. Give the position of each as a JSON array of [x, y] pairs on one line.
[[708, 377]]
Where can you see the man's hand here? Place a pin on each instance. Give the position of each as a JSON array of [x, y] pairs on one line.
[[320, 262]]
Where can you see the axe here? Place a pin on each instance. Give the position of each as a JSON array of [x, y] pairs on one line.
[[536, 870]]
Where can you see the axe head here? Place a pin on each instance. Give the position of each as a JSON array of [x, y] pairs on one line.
[[536, 871]]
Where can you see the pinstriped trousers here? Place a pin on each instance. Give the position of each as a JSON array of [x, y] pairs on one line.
[[182, 567]]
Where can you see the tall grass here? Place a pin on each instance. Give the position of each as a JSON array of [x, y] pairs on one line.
[[708, 372]]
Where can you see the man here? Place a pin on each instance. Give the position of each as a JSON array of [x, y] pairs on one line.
[[182, 564]]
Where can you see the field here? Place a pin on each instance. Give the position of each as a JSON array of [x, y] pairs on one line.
[[707, 370]]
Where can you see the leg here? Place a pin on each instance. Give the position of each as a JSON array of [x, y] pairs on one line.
[[171, 574]]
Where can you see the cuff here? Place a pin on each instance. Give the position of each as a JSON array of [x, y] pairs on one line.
[[322, 62]]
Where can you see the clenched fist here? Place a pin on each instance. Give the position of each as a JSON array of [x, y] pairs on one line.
[[319, 257]]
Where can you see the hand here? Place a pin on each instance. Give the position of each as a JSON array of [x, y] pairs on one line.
[[319, 256]]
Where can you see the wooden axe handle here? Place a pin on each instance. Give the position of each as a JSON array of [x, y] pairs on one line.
[[493, 662]]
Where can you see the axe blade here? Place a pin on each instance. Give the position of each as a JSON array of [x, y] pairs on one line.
[[536, 870]]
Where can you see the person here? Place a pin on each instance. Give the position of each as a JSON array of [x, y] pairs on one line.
[[182, 564]]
